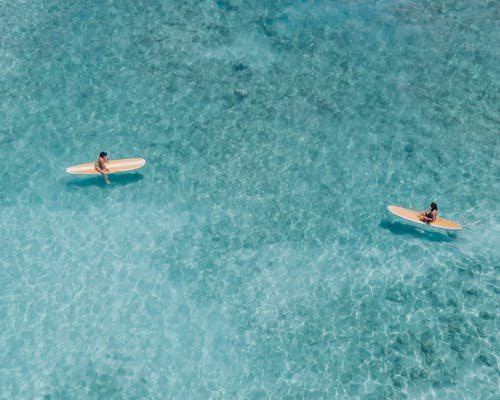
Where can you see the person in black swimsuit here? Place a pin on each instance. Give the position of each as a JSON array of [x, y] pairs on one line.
[[100, 166], [430, 215]]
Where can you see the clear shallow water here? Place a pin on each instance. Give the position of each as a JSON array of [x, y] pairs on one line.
[[253, 256]]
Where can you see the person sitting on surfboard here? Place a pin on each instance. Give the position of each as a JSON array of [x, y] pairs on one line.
[[100, 165], [430, 215]]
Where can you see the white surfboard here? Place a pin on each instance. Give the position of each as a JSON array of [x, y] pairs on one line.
[[127, 164]]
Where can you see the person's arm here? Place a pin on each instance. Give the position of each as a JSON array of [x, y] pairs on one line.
[[424, 218], [428, 220], [101, 167]]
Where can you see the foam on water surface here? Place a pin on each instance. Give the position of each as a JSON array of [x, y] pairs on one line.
[[253, 255]]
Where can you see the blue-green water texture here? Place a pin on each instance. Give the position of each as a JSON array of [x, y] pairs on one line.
[[253, 256]]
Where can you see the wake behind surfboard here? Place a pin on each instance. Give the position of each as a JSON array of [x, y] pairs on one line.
[[412, 215], [113, 166]]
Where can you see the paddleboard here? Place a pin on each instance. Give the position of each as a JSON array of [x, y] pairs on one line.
[[412, 215], [113, 166]]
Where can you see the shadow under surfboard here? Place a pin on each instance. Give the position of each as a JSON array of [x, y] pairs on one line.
[[121, 179], [405, 229]]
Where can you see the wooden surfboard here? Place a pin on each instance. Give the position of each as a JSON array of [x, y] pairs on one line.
[[113, 166], [412, 215]]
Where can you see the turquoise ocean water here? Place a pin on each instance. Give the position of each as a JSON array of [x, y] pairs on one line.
[[253, 256]]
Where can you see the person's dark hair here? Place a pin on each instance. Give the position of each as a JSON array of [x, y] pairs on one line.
[[103, 154], [434, 206]]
